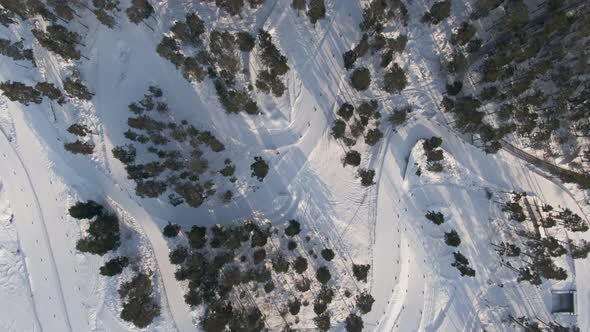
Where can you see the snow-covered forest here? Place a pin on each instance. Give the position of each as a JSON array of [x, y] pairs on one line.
[[278, 165]]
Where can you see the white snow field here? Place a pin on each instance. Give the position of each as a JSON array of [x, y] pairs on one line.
[[47, 285]]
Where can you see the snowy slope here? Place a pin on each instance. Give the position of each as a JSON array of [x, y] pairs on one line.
[[414, 286]]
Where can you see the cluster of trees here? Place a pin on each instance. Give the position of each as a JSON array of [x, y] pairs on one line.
[[275, 66], [234, 7], [26, 9], [532, 72], [219, 277], [514, 208], [564, 217], [221, 60], [6, 17], [529, 324], [103, 232], [139, 10], [139, 303], [181, 162], [436, 217], [24, 94], [462, 264], [394, 80], [438, 12], [59, 40], [79, 147], [16, 50], [377, 13], [399, 116], [105, 11], [542, 250], [362, 120], [316, 9], [434, 154]]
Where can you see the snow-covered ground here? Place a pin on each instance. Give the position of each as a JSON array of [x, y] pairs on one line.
[[45, 284]]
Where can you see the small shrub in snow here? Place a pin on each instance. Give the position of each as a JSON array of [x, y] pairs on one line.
[[103, 235], [114, 266], [363, 46], [338, 128], [139, 11], [259, 237], [87, 210], [280, 264], [579, 250], [345, 111], [434, 155], [373, 136], [354, 323], [298, 5], [303, 285], [291, 245], [452, 238], [50, 91], [197, 237], [323, 275], [435, 167], [395, 79], [294, 306], [364, 302], [360, 78], [293, 229], [316, 10], [178, 255], [319, 307], [79, 147], [171, 230], [76, 89], [349, 58], [367, 176], [399, 116], [438, 12], [361, 271], [300, 265], [436, 217], [352, 158], [432, 143], [462, 264], [322, 322], [150, 188], [454, 88], [103, 17], [78, 129], [259, 255], [463, 34], [327, 254], [269, 287], [245, 40], [126, 153], [516, 211], [259, 168], [139, 305]]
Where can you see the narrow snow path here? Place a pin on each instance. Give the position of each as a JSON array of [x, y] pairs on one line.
[[46, 285]]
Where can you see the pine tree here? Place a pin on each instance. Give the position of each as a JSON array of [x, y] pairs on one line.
[[76, 89], [360, 78], [20, 92], [316, 10], [139, 11]]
